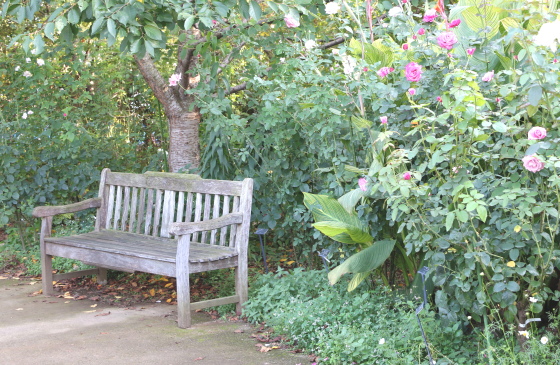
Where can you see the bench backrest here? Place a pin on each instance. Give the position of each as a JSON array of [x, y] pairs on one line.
[[148, 203]]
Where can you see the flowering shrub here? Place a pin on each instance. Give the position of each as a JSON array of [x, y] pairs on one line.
[[465, 174]]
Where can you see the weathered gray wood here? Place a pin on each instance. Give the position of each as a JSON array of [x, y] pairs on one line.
[[183, 285], [225, 211], [242, 238], [46, 260], [215, 214], [214, 302], [110, 205], [126, 209], [118, 205], [149, 210], [133, 210], [157, 213], [211, 224], [141, 211], [104, 195], [201, 226], [168, 213], [49, 211], [75, 274], [206, 216], [178, 184]]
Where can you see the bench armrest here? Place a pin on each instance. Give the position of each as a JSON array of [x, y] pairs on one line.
[[208, 225], [49, 211]]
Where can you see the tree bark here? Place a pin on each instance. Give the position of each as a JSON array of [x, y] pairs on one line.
[[183, 117]]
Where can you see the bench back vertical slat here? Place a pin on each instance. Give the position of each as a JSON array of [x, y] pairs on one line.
[[157, 213], [206, 216], [233, 229], [215, 214], [101, 220], [168, 213], [118, 206], [197, 213], [188, 210], [133, 208], [149, 210], [141, 210], [225, 210], [110, 206], [180, 207], [126, 209]]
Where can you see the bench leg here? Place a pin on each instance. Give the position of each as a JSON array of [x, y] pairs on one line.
[[46, 260], [241, 287], [183, 301], [47, 274], [102, 276]]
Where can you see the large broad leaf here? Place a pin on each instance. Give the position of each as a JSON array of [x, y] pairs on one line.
[[363, 262], [334, 221], [350, 199]]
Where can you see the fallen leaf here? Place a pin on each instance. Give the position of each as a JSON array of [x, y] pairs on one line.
[[93, 306], [152, 292], [103, 314], [238, 331], [199, 358], [81, 297], [19, 309], [95, 310]]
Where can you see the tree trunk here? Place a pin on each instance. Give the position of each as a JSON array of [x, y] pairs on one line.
[[184, 149], [183, 117]]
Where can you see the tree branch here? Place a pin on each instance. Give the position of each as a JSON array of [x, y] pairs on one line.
[[333, 43], [152, 76]]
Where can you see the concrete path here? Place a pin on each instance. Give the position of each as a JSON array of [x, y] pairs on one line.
[[40, 330]]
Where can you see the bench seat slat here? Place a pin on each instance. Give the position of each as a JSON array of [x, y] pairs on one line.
[[148, 247]]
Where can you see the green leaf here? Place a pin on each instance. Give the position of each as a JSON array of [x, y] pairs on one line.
[[332, 219], [535, 95], [449, 220], [189, 22], [112, 27], [535, 148], [340, 231], [482, 212], [483, 18], [513, 286], [97, 24], [39, 44], [153, 31], [357, 279], [74, 16], [500, 127], [499, 287], [363, 261], [350, 199], [255, 10], [49, 31]]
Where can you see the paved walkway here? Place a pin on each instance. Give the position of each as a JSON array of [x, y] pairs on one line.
[[48, 330]]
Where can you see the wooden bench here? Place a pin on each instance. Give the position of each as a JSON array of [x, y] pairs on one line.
[[159, 223]]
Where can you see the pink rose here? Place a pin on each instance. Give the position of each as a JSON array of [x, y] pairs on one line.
[[407, 176], [174, 79], [413, 72], [447, 40], [405, 46], [412, 91], [291, 22], [454, 23], [430, 15], [537, 133], [421, 31], [362, 182], [384, 71], [383, 119], [488, 76], [470, 51], [532, 163]]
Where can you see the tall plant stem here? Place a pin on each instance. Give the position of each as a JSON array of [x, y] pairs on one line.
[[486, 330]]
